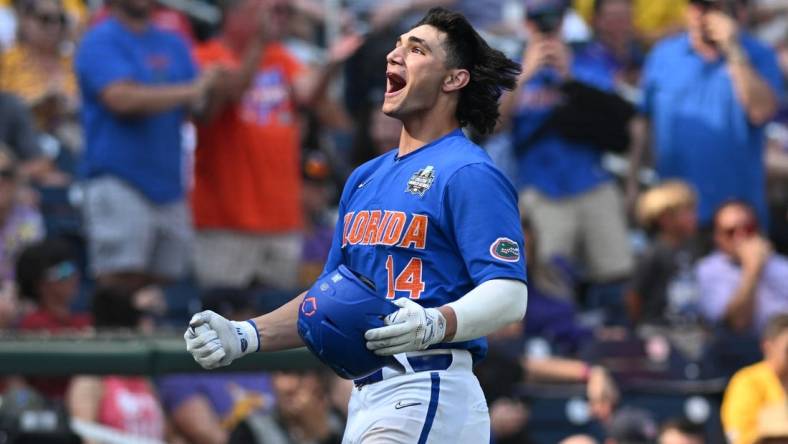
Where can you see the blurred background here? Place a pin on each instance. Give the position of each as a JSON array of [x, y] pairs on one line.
[[162, 157]]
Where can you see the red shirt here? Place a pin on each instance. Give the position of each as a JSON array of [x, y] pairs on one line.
[[53, 387]]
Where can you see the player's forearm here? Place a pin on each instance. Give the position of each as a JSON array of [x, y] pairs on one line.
[[485, 309], [278, 329]]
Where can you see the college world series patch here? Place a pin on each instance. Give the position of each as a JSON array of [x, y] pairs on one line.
[[505, 249], [421, 181]]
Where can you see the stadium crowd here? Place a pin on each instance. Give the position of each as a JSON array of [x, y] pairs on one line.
[[156, 159]]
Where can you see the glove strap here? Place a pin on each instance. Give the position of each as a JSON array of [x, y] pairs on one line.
[[248, 336], [256, 333], [436, 327]]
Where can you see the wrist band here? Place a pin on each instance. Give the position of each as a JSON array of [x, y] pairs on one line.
[[256, 332]]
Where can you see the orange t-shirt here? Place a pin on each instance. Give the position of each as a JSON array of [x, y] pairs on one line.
[[247, 173]]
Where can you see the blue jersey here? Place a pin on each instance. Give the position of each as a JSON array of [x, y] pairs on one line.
[[430, 225]]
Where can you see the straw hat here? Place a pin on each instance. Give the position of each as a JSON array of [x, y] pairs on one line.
[[664, 197]]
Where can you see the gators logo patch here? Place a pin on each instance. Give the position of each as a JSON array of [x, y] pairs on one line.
[[505, 249]]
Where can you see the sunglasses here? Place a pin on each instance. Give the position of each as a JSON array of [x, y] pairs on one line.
[[61, 271], [748, 229], [50, 19]]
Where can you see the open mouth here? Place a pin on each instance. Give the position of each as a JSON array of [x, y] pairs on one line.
[[394, 83]]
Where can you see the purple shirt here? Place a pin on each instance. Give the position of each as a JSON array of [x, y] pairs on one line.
[[719, 276], [230, 394]]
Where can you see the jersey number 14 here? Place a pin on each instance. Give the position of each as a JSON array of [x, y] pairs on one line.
[[409, 279]]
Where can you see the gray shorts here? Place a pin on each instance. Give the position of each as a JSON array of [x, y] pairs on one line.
[[589, 229], [129, 233], [235, 259]]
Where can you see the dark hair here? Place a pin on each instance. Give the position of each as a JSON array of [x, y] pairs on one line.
[[490, 70], [684, 426], [113, 307], [34, 261]]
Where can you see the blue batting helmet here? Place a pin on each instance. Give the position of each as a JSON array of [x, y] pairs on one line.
[[333, 317]]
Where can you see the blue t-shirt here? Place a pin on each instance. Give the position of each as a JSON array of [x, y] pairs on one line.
[[430, 225], [700, 131], [144, 151], [551, 164]]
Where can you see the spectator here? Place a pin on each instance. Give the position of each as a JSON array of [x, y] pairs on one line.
[[319, 221], [708, 94], [218, 408], [303, 410], [777, 163], [663, 286], [39, 68], [551, 313], [17, 131], [46, 274], [247, 173], [574, 205], [652, 20], [743, 282], [631, 425], [124, 404], [615, 32], [137, 84], [681, 431], [758, 386], [20, 224], [500, 373]]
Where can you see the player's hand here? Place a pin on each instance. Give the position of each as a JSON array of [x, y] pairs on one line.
[[410, 328], [215, 341]]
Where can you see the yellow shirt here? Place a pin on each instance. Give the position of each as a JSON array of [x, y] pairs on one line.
[[21, 76], [651, 17], [750, 390], [75, 8]]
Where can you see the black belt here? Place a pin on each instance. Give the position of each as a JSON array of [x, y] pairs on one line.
[[420, 363]]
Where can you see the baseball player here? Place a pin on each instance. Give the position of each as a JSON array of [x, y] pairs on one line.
[[435, 226]]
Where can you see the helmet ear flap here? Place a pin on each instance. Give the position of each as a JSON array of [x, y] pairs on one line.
[[333, 317]]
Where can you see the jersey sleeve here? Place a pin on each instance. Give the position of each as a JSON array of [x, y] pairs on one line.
[[480, 211], [99, 64]]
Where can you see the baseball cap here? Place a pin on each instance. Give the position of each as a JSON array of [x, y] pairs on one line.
[[539, 7], [632, 425]]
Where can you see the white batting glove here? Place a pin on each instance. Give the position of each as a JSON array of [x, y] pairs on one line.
[[215, 341], [410, 328]]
